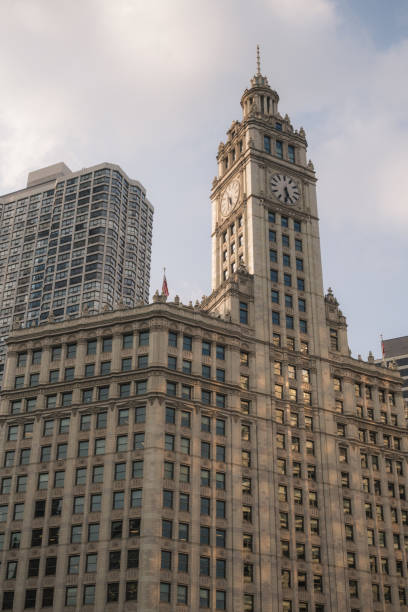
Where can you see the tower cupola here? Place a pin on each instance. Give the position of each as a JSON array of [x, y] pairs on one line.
[[260, 98]]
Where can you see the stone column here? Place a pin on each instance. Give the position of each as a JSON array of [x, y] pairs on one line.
[[149, 567]]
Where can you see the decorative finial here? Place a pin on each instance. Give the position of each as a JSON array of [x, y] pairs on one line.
[[258, 61]]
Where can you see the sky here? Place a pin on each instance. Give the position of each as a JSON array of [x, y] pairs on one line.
[[153, 86]]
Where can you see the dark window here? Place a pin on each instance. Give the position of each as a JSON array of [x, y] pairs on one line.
[[144, 338], [187, 343], [243, 312]]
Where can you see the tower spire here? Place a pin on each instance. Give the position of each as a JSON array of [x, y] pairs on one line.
[[258, 61]]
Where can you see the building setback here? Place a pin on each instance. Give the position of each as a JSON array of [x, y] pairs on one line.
[[226, 456], [72, 241]]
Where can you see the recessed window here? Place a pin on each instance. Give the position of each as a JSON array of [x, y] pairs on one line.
[[126, 364], [288, 301], [127, 341], [267, 144], [107, 345], [173, 338], [105, 367], [19, 382], [279, 149], [91, 347], [243, 312], [71, 351], [144, 338]]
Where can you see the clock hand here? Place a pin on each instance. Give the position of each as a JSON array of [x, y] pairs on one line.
[[286, 194]]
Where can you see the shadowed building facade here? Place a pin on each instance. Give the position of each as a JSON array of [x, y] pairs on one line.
[[230, 455]]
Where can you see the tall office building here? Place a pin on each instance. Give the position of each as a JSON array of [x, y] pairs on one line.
[[226, 456], [72, 241]]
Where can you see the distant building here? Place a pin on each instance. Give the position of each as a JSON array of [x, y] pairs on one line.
[[396, 349], [72, 242]]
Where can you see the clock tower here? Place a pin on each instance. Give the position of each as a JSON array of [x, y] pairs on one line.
[[265, 225]]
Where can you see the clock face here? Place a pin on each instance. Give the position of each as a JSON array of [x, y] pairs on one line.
[[285, 188], [230, 197]]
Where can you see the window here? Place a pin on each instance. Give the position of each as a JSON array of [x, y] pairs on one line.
[[169, 442], [133, 558], [267, 144], [172, 362], [183, 532], [186, 366], [89, 592], [118, 500], [334, 342], [279, 149], [67, 398], [112, 592], [205, 478], [167, 499], [347, 505], [187, 343], [105, 367], [167, 529], [116, 529], [114, 560], [127, 341], [172, 338], [140, 414], [287, 280], [184, 502], [205, 506], [56, 353], [220, 508], [78, 507], [100, 446], [18, 383], [126, 364], [243, 313], [220, 600], [300, 284], [142, 361], [185, 419], [95, 503], [103, 393], [353, 588], [220, 375], [97, 474], [138, 441]]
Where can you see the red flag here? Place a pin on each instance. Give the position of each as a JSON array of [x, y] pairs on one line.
[[165, 289]]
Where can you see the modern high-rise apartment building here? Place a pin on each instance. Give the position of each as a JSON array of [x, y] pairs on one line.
[[72, 241], [227, 456]]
